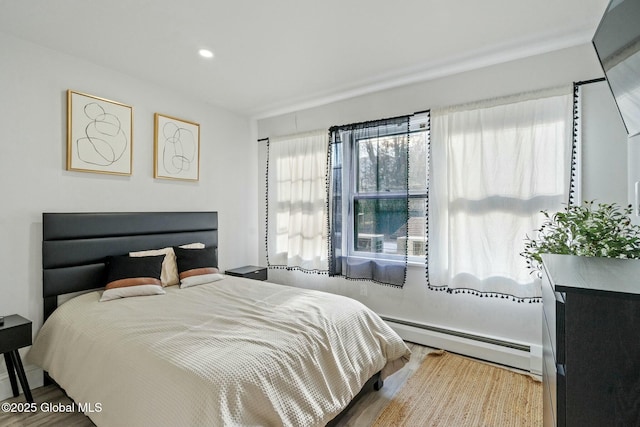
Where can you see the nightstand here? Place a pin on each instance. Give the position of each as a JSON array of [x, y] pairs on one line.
[[15, 333], [249, 271]]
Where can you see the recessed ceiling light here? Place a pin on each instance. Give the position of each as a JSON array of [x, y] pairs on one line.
[[205, 53]]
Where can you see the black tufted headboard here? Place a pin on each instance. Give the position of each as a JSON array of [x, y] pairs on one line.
[[75, 245]]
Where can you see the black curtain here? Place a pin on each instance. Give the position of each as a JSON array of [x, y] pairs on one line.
[[369, 200]]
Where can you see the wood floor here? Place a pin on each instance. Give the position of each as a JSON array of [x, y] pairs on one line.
[[362, 414], [365, 411]]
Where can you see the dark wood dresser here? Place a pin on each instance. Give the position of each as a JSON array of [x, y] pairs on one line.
[[591, 341]]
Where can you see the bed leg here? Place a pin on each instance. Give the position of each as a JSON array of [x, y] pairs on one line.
[[377, 385], [46, 379]]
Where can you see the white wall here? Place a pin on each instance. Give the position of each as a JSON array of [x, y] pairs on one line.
[[490, 317], [610, 160], [633, 166], [33, 85], [604, 147]]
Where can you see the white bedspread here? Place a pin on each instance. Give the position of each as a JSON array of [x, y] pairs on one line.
[[236, 352]]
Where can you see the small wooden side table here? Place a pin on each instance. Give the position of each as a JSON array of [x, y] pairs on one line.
[[15, 333]]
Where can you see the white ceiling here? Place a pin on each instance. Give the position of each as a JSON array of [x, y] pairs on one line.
[[275, 55]]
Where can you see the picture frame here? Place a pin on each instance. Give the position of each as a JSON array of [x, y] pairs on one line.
[[176, 148], [99, 135]]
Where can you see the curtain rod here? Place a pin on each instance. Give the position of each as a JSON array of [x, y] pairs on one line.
[[370, 122], [586, 82]]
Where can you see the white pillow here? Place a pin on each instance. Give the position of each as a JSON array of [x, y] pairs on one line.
[[187, 282], [169, 274], [131, 291]]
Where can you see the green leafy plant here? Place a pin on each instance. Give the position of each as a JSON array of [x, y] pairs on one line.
[[604, 230]]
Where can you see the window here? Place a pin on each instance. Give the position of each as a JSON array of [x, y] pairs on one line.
[[380, 186], [379, 197]]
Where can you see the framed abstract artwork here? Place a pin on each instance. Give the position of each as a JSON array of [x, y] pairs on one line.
[[99, 135], [176, 149]]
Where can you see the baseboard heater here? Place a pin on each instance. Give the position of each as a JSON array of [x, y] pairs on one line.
[[480, 338]]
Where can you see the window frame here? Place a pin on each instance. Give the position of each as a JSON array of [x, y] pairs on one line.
[[350, 188]]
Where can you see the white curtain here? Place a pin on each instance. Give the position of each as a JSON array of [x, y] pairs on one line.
[[494, 167], [297, 202]]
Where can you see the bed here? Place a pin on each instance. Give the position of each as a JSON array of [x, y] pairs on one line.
[[233, 351]]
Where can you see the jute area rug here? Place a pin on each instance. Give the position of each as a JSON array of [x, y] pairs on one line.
[[451, 390]]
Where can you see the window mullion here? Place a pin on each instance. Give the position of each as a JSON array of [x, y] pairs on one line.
[[381, 195]]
